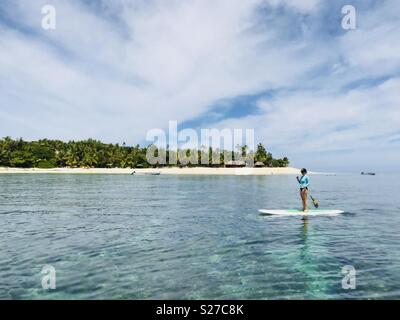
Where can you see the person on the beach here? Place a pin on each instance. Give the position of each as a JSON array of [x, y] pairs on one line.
[[304, 182]]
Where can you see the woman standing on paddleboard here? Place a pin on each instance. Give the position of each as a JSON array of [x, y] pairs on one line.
[[304, 182]]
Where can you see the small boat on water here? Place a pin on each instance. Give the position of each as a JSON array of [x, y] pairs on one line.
[[368, 173], [146, 173]]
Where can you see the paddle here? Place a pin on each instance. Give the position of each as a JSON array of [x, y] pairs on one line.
[[314, 201]]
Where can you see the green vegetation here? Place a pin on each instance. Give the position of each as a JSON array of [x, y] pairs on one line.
[[265, 157], [95, 154]]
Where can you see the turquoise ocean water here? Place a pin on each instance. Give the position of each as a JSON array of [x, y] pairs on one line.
[[196, 237]]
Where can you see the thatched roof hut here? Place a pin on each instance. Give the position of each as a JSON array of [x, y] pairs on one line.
[[235, 164], [259, 164]]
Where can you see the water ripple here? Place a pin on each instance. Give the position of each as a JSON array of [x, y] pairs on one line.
[[115, 237]]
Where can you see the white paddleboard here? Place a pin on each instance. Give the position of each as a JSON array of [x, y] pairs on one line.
[[317, 212]]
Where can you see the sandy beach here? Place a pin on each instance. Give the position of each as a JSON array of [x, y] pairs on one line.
[[163, 171]]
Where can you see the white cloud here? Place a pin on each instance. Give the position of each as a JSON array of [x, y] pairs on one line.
[[173, 62], [138, 64], [301, 124], [303, 6]]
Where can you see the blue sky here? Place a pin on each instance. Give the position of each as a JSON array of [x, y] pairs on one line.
[[326, 97]]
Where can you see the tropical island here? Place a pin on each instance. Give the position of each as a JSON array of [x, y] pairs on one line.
[[17, 155]]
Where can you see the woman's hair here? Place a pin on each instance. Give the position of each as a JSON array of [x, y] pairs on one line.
[[304, 171]]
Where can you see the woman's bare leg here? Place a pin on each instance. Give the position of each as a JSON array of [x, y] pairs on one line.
[[301, 197], [304, 196]]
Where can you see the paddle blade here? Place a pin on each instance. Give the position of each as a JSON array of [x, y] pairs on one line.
[[315, 202]]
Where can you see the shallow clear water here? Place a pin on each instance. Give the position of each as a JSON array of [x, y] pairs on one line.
[[196, 237]]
